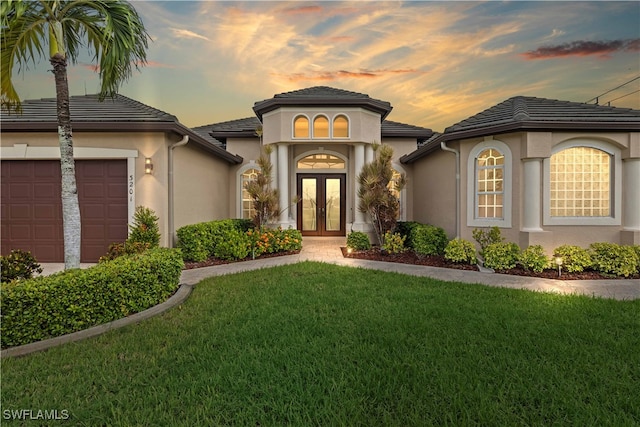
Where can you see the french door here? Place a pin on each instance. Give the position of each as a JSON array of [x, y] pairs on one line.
[[321, 211]]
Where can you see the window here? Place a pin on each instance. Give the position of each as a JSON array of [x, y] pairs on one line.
[[321, 127], [246, 202], [580, 181], [321, 161], [340, 127], [489, 185], [583, 184], [301, 127]]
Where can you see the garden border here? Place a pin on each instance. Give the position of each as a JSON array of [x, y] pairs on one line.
[[177, 298]]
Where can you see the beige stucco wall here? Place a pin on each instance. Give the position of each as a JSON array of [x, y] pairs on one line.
[[434, 177], [199, 175], [364, 126]]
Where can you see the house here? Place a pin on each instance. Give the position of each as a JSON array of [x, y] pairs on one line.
[[546, 172], [127, 154]]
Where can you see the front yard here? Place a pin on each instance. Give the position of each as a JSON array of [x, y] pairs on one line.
[[318, 344]]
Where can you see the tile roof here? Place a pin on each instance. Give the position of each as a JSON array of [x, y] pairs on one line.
[[525, 113], [119, 113], [322, 96], [541, 110], [89, 108]]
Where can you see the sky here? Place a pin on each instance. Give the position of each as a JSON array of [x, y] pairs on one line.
[[437, 63]]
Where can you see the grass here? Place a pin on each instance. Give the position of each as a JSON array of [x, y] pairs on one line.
[[316, 344]]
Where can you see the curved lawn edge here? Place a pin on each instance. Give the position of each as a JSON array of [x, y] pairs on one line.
[[177, 298]]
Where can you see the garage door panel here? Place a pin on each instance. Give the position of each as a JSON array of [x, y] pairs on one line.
[[32, 209]]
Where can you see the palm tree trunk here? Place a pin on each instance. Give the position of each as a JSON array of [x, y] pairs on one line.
[[70, 205]]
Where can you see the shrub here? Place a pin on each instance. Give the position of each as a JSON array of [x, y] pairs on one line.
[[501, 255], [358, 240], [72, 300], [272, 240], [429, 240], [486, 237], [234, 245], [394, 243], [461, 251], [405, 228], [18, 265], [574, 258], [145, 227], [198, 241], [127, 248], [610, 258], [533, 258]]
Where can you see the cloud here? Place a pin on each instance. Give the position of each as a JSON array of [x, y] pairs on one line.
[[584, 48], [343, 74], [186, 34], [150, 64], [302, 10]]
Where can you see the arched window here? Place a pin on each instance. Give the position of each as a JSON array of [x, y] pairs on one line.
[[580, 183], [321, 127], [489, 185], [246, 202], [321, 161], [301, 127], [341, 127]]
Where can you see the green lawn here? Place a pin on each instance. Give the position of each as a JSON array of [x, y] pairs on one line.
[[317, 344]]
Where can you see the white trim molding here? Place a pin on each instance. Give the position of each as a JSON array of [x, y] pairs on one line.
[[507, 179]]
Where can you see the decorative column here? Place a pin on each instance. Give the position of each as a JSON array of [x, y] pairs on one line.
[[283, 183], [532, 195], [368, 153], [631, 201], [359, 159]]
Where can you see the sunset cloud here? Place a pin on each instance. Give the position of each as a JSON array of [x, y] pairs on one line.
[[584, 48], [186, 34], [344, 74]]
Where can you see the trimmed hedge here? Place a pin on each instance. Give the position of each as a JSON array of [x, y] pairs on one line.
[[611, 258], [198, 241], [501, 256], [73, 300], [461, 251], [358, 241], [428, 239]]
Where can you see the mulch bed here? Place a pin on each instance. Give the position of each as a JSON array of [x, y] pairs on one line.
[[188, 265], [410, 257]]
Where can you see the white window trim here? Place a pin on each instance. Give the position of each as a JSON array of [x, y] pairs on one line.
[[293, 127], [341, 138], [26, 152], [472, 221], [329, 127], [251, 165], [616, 189]]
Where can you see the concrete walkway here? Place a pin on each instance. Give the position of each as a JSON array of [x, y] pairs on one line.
[[328, 250]]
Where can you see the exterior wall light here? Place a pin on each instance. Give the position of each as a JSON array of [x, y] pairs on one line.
[[148, 166]]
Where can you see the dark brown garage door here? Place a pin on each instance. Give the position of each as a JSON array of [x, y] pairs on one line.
[[31, 214]]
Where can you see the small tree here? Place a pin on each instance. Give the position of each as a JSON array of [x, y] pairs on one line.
[[376, 198], [265, 198]]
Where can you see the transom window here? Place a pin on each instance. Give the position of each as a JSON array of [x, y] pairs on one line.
[[580, 183], [248, 211], [490, 184], [321, 161]]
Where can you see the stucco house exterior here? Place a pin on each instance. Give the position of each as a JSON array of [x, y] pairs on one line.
[[546, 172], [112, 140]]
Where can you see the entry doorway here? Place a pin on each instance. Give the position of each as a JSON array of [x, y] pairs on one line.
[[321, 211]]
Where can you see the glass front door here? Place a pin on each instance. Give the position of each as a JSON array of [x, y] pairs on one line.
[[321, 211]]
